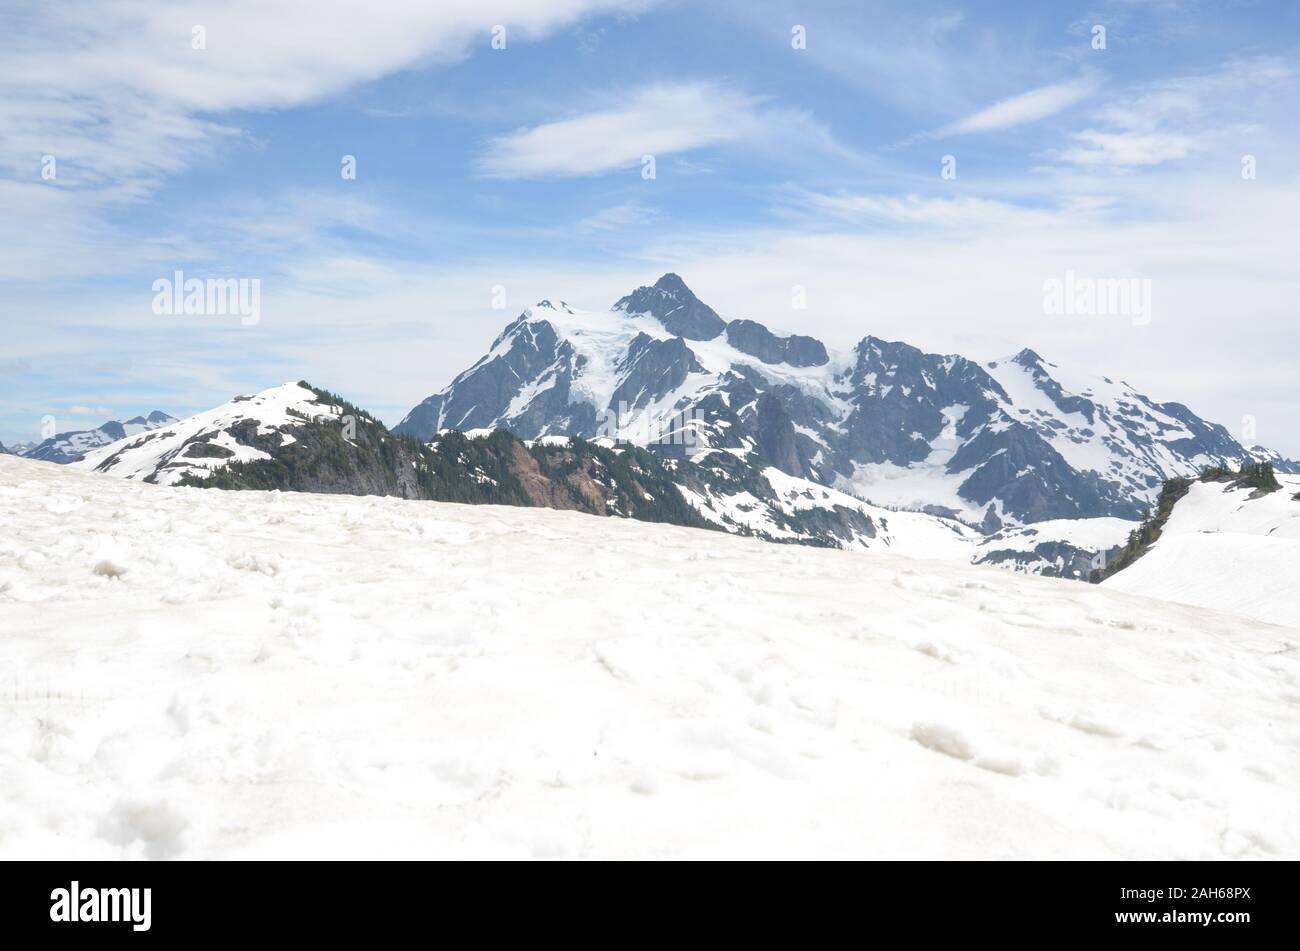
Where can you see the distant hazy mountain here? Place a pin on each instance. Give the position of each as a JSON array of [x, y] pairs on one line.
[[68, 447]]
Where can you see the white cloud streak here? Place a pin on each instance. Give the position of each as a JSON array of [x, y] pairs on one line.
[[1127, 148], [1026, 107], [618, 218], [658, 120]]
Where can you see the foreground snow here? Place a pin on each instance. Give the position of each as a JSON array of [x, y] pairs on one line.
[[194, 673]]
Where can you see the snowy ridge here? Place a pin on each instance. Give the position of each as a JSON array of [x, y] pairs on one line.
[[1225, 550], [263, 683], [201, 443], [1098, 425]]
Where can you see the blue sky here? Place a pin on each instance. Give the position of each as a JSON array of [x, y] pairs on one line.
[[521, 168]]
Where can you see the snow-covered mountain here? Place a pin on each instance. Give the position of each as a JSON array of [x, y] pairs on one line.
[[211, 674], [1227, 546], [206, 441], [1006, 443], [68, 447]]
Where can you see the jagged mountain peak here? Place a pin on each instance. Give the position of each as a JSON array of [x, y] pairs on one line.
[[893, 349], [1028, 358], [676, 307], [545, 305], [154, 419], [672, 283]]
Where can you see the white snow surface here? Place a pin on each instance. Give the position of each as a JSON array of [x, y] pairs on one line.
[[1223, 549], [202, 674]]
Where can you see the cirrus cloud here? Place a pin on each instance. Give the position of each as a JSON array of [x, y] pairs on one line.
[[658, 120], [1026, 107]]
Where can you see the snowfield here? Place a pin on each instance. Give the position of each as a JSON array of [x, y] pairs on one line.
[[199, 674]]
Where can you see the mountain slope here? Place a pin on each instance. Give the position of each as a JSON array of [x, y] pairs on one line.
[[1003, 444], [64, 448], [298, 438], [257, 675], [1226, 545]]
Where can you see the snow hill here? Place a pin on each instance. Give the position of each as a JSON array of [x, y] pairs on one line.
[[203, 674], [1229, 548], [1005, 443], [206, 441], [68, 447]]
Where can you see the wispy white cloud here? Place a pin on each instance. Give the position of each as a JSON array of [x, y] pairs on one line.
[[1173, 118], [900, 53], [619, 217], [658, 120], [1127, 148], [120, 98], [1026, 107], [118, 89], [893, 212]]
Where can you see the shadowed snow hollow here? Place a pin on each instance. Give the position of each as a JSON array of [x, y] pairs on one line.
[[195, 673]]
